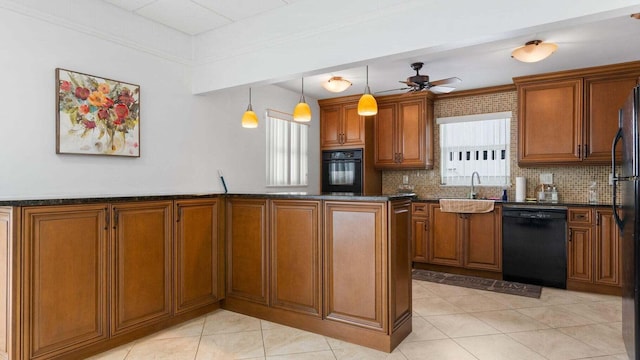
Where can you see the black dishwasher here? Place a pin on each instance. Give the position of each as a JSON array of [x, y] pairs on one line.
[[534, 245]]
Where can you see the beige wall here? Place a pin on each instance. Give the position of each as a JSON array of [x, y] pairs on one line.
[[572, 181]]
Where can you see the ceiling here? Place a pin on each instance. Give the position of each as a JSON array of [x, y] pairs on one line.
[[590, 43]]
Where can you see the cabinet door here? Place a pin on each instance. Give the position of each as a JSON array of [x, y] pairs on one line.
[[607, 249], [247, 248], [352, 126], [420, 231], [550, 122], [355, 263], [330, 126], [196, 253], [580, 261], [141, 249], [65, 257], [445, 243], [483, 241], [605, 95], [386, 154], [411, 134], [296, 256]]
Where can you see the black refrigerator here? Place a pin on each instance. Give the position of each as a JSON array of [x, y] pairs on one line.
[[626, 189]]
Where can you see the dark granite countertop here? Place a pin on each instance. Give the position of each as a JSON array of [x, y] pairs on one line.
[[523, 203], [276, 195]]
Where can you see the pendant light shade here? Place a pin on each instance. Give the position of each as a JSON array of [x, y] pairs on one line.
[[249, 119], [367, 105], [534, 51], [302, 111]]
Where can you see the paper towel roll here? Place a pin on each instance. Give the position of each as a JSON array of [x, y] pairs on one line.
[[521, 188]]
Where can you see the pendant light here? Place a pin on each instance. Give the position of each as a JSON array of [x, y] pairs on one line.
[[249, 119], [302, 111], [367, 105], [534, 51]]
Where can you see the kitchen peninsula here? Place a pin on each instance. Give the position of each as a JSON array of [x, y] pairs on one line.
[[83, 275]]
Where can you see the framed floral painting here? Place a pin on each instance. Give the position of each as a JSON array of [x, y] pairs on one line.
[[96, 116]]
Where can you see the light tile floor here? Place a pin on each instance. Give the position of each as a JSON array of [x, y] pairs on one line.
[[449, 323]]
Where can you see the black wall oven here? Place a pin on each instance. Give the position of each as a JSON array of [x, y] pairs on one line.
[[342, 171]]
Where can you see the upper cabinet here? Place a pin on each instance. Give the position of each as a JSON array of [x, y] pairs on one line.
[[571, 117], [340, 125], [403, 131]]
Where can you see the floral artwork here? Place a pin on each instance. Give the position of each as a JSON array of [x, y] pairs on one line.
[[96, 116]]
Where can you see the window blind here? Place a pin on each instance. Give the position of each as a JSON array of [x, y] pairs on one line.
[[287, 150]]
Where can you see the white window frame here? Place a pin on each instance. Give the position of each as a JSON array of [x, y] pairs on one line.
[[287, 152], [494, 141]]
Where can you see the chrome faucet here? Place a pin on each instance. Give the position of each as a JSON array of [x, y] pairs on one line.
[[472, 194]]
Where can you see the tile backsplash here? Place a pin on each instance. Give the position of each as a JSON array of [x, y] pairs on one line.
[[572, 181]]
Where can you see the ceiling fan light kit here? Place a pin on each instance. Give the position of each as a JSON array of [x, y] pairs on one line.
[[336, 84], [534, 51], [419, 82], [302, 111], [249, 119], [367, 105]]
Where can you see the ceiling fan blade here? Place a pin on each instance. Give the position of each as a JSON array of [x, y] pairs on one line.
[[383, 91], [409, 83], [451, 80], [441, 89]]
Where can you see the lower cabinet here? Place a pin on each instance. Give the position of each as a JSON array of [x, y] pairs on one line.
[[420, 231], [355, 260], [247, 228], [66, 269], [296, 256], [92, 276], [141, 254], [197, 249], [338, 268], [472, 241], [593, 250]]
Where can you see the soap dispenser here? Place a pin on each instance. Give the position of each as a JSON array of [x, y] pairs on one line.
[[593, 193]]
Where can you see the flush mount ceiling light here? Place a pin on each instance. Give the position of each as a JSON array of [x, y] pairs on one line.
[[534, 51], [367, 105], [636, 16], [249, 119], [302, 111], [336, 84]]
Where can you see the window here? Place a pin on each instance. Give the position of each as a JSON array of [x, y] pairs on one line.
[[287, 150], [475, 143]]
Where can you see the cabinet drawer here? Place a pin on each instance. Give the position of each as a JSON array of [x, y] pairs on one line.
[[580, 216], [420, 209]]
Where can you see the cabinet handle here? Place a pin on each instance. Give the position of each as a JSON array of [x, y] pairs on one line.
[[426, 225], [586, 150], [579, 147], [580, 216], [179, 214], [597, 219], [115, 218], [570, 235], [342, 138], [107, 218]]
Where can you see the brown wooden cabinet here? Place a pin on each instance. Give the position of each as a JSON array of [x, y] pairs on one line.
[[403, 131], [339, 268], [472, 241], [341, 126], [247, 228], [296, 256], [593, 251], [141, 263], [66, 268], [571, 117], [420, 231], [197, 249], [355, 259]]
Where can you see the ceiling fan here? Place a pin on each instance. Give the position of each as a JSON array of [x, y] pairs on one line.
[[421, 82]]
